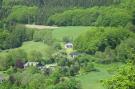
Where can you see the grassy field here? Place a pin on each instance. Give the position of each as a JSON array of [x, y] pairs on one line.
[[69, 31], [34, 46], [30, 46], [92, 79]]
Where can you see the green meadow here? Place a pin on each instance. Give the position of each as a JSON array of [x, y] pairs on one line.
[[69, 31]]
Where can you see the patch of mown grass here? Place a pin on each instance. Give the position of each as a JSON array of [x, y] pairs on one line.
[[30, 46], [70, 31], [93, 80]]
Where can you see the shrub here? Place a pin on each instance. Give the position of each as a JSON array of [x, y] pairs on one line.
[[124, 79], [100, 38]]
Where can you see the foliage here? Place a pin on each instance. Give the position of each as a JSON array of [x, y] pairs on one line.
[[44, 36], [14, 58], [16, 55], [106, 57], [100, 38], [57, 46], [124, 79], [103, 16], [14, 38], [95, 44], [68, 84], [23, 14], [66, 39], [126, 51], [31, 78], [86, 63], [3, 36], [25, 10], [34, 56], [4, 62]]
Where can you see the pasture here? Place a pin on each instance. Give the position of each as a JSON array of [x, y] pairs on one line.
[[69, 31], [93, 80]]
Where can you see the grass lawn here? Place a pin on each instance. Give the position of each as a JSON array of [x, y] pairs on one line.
[[33, 46], [69, 31], [92, 79], [30, 46]]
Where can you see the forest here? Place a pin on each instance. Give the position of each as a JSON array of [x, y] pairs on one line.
[[67, 44]]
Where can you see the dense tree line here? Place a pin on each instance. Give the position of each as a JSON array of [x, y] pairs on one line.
[[0, 7], [97, 16], [14, 38], [46, 8], [99, 39], [23, 14]]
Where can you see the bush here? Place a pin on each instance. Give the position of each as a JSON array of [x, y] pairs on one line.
[[124, 79], [17, 36], [4, 62], [68, 84], [57, 46], [67, 39], [100, 38], [126, 50], [16, 55], [35, 56]]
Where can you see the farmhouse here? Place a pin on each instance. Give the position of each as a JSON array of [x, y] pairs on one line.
[[68, 45], [29, 64]]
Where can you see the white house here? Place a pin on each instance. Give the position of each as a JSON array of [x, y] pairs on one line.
[[68, 45], [29, 64]]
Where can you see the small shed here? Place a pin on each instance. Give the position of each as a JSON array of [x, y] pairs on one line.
[[68, 45]]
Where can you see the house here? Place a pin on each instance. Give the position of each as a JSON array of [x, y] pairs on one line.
[[29, 64], [68, 45], [1, 79]]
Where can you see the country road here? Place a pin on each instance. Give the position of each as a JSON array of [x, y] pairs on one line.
[[40, 26]]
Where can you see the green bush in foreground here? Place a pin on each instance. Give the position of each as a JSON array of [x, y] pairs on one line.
[[124, 79]]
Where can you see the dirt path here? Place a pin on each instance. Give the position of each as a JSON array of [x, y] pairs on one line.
[[40, 26]]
